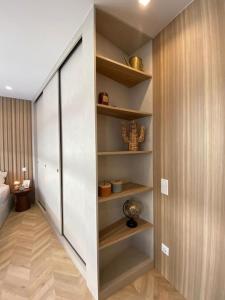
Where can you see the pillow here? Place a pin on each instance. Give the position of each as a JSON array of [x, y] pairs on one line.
[[3, 176]]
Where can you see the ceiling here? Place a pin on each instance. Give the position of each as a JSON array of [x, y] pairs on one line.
[[150, 19], [34, 34]]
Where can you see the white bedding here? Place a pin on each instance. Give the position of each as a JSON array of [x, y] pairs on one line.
[[5, 202], [4, 194]]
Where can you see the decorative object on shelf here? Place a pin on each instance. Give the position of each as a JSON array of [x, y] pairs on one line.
[[26, 184], [117, 186], [103, 98], [136, 63], [132, 209], [16, 185], [134, 137], [104, 189]]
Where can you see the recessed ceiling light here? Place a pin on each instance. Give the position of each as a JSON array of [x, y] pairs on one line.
[[144, 2], [7, 87]]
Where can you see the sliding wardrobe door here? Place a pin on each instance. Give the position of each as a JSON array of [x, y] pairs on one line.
[[48, 151], [52, 151], [75, 172], [39, 152]]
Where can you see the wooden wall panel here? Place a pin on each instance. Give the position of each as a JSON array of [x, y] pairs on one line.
[[189, 147], [15, 138]]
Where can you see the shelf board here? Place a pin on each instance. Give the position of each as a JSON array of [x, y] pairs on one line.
[[121, 113], [120, 72], [112, 153], [122, 270], [129, 189], [119, 231]]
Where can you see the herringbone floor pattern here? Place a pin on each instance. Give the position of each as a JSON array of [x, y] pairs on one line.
[[34, 265]]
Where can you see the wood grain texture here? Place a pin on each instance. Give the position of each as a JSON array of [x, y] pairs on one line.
[[129, 190], [15, 138], [119, 231], [109, 153], [120, 72], [121, 113], [34, 265], [189, 139], [150, 286]]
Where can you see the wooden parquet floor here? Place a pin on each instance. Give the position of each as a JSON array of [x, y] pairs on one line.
[[34, 265]]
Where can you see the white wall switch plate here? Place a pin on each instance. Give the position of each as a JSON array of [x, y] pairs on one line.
[[165, 249], [164, 186]]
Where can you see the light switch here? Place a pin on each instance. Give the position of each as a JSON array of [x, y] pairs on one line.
[[164, 187], [165, 249]]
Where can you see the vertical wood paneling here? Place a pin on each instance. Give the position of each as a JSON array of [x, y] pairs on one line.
[[189, 145], [15, 138]]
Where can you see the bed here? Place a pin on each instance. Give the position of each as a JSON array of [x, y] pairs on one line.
[[5, 202]]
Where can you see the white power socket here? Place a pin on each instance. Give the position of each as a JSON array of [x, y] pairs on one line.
[[164, 186], [165, 249]]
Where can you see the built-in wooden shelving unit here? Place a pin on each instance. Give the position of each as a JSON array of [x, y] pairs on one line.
[[120, 72], [119, 231], [129, 189], [112, 153], [121, 113], [123, 269], [124, 252]]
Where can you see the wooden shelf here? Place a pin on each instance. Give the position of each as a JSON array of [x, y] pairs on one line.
[[119, 231], [129, 189], [123, 153], [121, 113], [122, 270], [120, 72]]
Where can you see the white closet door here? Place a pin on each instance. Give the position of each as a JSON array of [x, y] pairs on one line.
[[39, 171], [48, 151], [75, 172], [52, 151]]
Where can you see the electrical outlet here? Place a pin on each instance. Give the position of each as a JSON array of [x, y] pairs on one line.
[[165, 249], [164, 187]]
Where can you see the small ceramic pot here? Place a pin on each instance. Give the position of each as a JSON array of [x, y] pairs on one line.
[[104, 189], [117, 186]]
